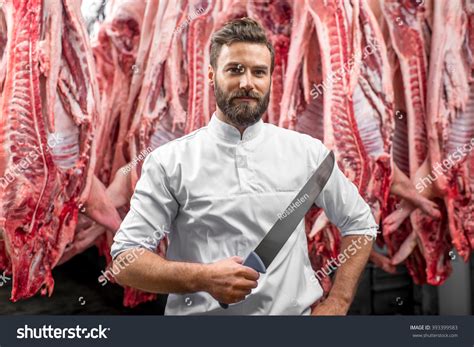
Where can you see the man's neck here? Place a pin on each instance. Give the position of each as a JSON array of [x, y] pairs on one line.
[[225, 119]]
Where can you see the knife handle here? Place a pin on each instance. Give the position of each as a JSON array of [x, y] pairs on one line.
[[253, 261]]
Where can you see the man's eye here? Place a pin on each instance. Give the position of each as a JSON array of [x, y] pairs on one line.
[[260, 72], [234, 70]]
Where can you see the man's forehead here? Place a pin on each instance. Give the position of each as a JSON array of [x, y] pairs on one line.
[[248, 54]]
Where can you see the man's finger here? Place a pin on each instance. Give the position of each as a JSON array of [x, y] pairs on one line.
[[250, 273], [246, 285]]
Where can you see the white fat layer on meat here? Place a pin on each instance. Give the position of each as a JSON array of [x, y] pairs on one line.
[[164, 133], [462, 127], [368, 124], [160, 137], [64, 142], [64, 148]]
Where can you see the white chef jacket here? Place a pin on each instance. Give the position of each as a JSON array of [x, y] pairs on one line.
[[217, 194]]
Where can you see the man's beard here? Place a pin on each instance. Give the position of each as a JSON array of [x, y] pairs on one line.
[[243, 113]]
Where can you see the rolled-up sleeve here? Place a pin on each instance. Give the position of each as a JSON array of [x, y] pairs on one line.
[[152, 210], [342, 203]]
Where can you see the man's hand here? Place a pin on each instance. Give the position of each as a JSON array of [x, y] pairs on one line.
[[226, 280], [229, 281], [331, 307]]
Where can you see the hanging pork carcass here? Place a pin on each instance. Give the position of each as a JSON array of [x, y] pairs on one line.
[[48, 123]]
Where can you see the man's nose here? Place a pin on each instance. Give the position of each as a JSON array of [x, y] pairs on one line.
[[246, 81]]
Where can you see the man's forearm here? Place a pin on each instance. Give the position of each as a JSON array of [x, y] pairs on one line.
[[151, 273], [356, 249]]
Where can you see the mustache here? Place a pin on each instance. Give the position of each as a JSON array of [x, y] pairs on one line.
[[240, 94]]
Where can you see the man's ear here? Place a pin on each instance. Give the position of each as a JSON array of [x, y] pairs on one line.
[[210, 75]]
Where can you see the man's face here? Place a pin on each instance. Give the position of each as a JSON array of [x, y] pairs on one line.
[[242, 82]]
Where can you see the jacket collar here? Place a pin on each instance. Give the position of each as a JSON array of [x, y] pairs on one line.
[[230, 133]]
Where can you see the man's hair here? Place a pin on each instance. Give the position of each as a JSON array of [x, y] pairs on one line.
[[239, 30]]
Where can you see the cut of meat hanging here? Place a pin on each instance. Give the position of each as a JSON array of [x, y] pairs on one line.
[[450, 116], [49, 159], [39, 208]]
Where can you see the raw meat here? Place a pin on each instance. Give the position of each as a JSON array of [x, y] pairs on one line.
[[275, 17], [450, 116], [406, 23], [47, 129]]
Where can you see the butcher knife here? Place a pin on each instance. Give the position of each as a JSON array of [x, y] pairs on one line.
[[261, 258]]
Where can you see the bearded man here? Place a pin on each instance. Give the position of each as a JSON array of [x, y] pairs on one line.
[[217, 191]]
